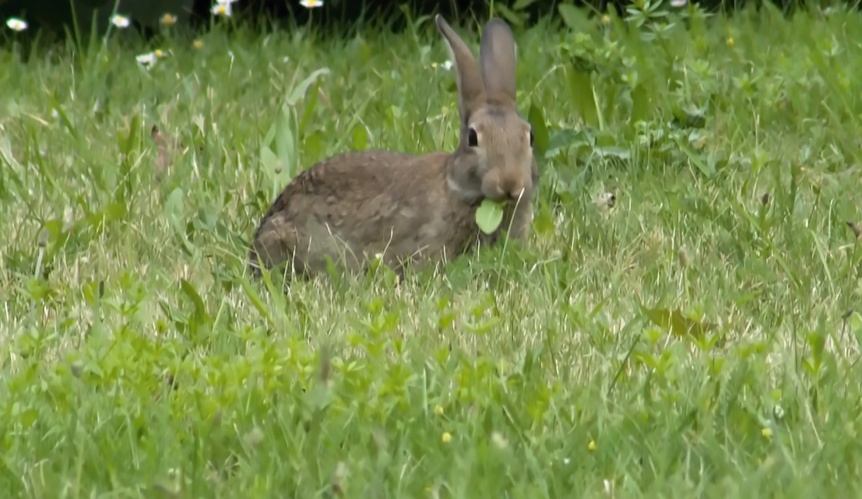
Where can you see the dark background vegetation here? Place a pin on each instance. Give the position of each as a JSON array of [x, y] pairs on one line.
[[59, 17]]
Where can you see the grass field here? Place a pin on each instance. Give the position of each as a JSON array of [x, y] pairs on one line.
[[696, 337]]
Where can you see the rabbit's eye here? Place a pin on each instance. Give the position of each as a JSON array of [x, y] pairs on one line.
[[472, 138]]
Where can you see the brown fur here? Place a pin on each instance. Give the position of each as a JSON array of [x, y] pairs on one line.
[[357, 205], [354, 206]]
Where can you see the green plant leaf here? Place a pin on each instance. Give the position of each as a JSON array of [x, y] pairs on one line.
[[613, 152], [675, 322], [285, 148], [200, 314], [482, 327], [268, 159], [360, 137], [310, 105], [572, 17], [489, 215], [581, 93], [544, 222], [509, 15], [175, 211], [541, 138], [522, 4], [640, 104], [696, 159], [299, 91]]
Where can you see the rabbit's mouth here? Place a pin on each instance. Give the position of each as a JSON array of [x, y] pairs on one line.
[[506, 195]]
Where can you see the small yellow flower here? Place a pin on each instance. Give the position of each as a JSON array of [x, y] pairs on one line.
[[606, 19], [198, 44], [160, 53], [168, 19], [310, 4], [730, 42], [591, 446], [121, 22], [766, 432], [447, 437], [16, 24], [438, 410]]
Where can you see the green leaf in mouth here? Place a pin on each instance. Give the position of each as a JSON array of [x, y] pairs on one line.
[[489, 215]]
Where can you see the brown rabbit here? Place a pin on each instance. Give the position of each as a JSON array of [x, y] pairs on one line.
[[356, 205]]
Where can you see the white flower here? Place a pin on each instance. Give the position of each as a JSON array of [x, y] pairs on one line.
[[678, 3], [499, 440], [310, 4], [223, 8], [16, 24], [146, 60], [119, 21], [447, 65], [149, 59]]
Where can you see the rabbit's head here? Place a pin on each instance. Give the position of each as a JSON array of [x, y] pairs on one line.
[[494, 158]]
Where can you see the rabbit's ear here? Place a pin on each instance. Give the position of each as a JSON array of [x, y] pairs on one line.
[[497, 58], [471, 92]]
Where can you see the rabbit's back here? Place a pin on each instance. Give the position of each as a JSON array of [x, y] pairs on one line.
[[356, 205]]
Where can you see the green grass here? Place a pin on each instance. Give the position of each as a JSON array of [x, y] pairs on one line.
[[696, 339]]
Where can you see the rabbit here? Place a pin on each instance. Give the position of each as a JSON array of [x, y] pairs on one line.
[[407, 208]]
